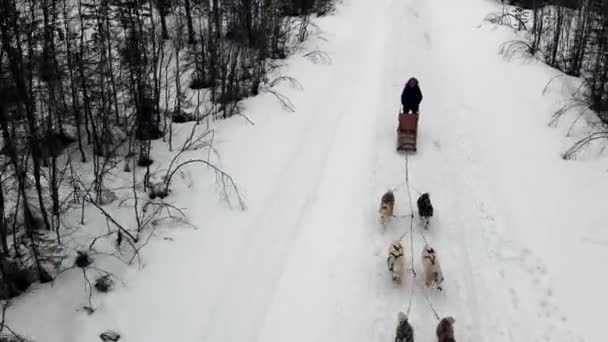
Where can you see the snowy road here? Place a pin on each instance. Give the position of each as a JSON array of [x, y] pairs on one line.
[[306, 262]]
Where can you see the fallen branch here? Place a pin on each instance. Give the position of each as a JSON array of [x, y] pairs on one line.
[[284, 100], [99, 237], [89, 308], [109, 217]]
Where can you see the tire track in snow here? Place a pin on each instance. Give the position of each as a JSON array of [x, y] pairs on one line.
[[389, 172], [270, 234], [523, 278], [520, 260], [427, 174], [341, 314], [472, 288], [458, 186], [485, 232]]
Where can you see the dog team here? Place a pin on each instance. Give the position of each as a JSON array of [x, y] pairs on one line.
[[433, 276]]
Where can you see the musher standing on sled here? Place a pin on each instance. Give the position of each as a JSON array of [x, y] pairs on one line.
[[411, 96]]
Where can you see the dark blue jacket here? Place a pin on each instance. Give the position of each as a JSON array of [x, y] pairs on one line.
[[411, 96]]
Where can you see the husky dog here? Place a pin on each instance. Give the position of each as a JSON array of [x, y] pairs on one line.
[[432, 269], [405, 332], [395, 260], [387, 204], [425, 208], [445, 330]]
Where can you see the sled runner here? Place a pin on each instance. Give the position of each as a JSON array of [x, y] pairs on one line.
[[407, 132]]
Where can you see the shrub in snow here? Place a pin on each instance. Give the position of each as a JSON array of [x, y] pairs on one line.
[[104, 283], [83, 259], [231, 96], [158, 190], [144, 161], [52, 145], [149, 132], [18, 273], [14, 279], [109, 336], [146, 126], [198, 82], [182, 117]]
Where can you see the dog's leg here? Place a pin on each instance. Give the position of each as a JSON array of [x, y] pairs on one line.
[[421, 218], [384, 220], [396, 278], [428, 282]]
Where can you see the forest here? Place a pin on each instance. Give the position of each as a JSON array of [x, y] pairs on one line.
[[572, 37], [86, 87]]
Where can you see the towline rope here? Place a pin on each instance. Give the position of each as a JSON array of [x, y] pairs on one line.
[[409, 197], [431, 306], [413, 285]]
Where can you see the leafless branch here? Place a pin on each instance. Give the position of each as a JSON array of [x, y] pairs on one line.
[[504, 19], [293, 83], [581, 104], [246, 118], [582, 143], [514, 48], [284, 100], [109, 217], [223, 175], [318, 57]]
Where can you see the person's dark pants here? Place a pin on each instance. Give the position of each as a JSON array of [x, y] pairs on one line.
[[413, 108]]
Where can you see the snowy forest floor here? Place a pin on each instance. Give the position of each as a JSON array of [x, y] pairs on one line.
[[518, 229]]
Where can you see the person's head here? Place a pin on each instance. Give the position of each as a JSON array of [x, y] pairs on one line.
[[412, 82]]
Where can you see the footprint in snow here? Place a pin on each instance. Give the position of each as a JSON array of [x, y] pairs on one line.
[[595, 241], [414, 12], [514, 298], [427, 39]]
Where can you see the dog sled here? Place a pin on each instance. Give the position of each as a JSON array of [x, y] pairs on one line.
[[407, 132]]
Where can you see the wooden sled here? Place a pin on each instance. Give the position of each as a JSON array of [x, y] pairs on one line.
[[407, 132]]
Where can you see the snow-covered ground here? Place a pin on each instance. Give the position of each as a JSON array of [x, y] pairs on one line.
[[518, 229]]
